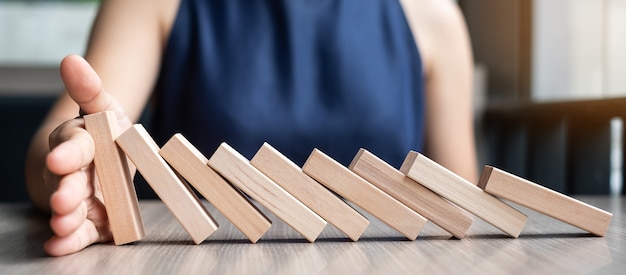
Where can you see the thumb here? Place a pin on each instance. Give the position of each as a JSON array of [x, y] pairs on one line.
[[84, 86]]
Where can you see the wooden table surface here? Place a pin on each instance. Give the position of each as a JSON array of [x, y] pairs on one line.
[[546, 246]]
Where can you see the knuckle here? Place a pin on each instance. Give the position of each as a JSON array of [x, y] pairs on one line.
[[65, 131]]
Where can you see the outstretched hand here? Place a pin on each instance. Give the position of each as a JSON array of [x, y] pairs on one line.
[[79, 218]]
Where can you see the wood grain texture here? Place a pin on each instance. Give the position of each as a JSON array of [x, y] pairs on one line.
[[190, 163], [238, 170], [410, 193], [323, 202], [543, 200], [344, 182], [548, 246], [463, 193], [173, 191], [115, 179]]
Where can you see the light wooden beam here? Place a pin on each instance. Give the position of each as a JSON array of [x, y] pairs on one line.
[[463, 193], [190, 163], [344, 182], [323, 202], [174, 192], [543, 200], [115, 179], [238, 170], [412, 194]]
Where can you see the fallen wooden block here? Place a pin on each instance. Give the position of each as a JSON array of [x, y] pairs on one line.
[[190, 163], [344, 182], [463, 193], [412, 194], [323, 202], [115, 179], [174, 192], [238, 170], [561, 207]]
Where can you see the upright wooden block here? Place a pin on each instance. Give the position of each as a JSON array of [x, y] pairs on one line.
[[238, 170], [412, 194], [463, 193], [174, 192], [344, 182], [526, 193], [323, 202], [190, 163], [116, 183]]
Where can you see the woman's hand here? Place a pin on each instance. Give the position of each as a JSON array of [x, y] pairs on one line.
[[79, 218]]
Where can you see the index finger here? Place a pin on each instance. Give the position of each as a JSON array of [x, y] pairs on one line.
[[75, 151]]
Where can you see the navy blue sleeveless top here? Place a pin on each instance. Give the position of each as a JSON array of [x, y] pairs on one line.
[[336, 75]]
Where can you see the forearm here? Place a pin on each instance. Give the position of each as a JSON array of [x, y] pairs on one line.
[[444, 46]]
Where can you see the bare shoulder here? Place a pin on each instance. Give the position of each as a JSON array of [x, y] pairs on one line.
[[436, 25]]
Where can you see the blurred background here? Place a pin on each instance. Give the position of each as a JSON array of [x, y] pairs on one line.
[[34, 37], [551, 80], [550, 85]]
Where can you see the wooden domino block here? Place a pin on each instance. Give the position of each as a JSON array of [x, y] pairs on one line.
[[344, 182], [115, 179], [190, 163], [174, 192], [238, 170], [507, 186], [412, 194], [323, 202], [463, 193]]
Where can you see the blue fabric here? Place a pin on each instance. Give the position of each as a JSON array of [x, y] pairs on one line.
[[299, 74]]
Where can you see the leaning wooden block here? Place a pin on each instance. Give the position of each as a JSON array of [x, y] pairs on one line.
[[507, 186], [323, 202], [174, 192], [190, 163], [344, 182], [463, 193], [238, 170], [412, 194], [115, 179]]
